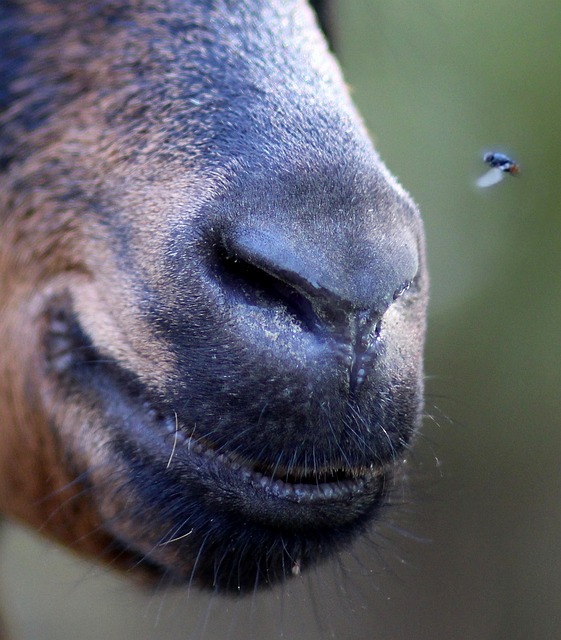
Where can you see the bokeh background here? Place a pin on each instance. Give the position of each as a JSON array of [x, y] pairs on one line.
[[472, 547]]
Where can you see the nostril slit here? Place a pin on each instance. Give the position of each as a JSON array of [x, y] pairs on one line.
[[244, 282], [402, 289]]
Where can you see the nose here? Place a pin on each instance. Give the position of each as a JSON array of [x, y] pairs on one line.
[[336, 290]]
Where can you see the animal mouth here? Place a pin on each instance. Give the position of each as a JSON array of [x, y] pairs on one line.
[[297, 486], [290, 499], [215, 516]]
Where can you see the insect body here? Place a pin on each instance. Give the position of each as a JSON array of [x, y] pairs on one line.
[[500, 165]]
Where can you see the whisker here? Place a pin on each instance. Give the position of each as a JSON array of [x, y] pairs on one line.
[[174, 441]]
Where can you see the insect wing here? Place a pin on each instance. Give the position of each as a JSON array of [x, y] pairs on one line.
[[491, 177]]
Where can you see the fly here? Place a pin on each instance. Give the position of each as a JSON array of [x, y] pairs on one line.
[[500, 165]]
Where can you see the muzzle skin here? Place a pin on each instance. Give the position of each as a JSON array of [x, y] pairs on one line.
[[212, 291]]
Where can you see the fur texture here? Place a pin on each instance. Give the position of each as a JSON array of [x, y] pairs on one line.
[[212, 292]]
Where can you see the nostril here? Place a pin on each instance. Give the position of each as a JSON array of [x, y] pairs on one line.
[[337, 296], [246, 283], [402, 289]]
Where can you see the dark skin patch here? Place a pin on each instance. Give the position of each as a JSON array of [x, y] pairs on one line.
[[212, 292]]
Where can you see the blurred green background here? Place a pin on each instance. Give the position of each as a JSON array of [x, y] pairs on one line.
[[473, 547]]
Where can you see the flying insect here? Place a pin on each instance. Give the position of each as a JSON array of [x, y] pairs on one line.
[[500, 165]]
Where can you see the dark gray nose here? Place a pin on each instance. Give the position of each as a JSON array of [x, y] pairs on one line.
[[333, 287]]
